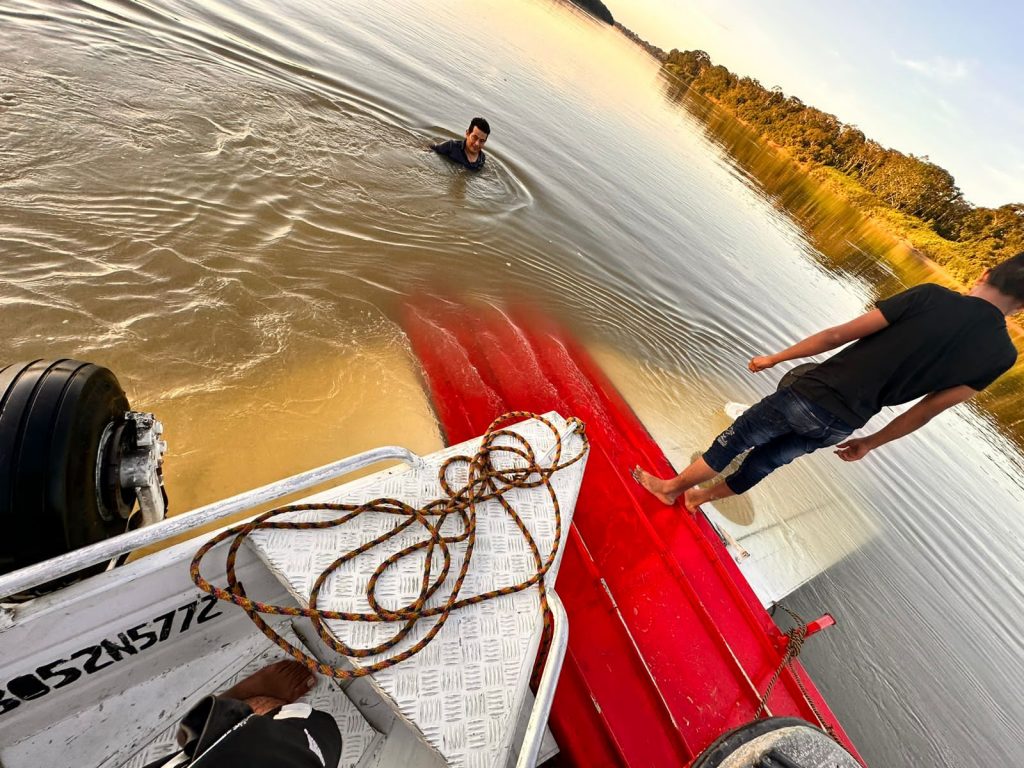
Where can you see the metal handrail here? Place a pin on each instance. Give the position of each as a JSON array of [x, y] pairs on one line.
[[530, 748], [63, 565]]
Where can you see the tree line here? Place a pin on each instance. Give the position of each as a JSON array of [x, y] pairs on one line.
[[595, 8], [907, 183]]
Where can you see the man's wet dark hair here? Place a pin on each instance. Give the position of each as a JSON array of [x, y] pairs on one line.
[[1008, 277], [479, 122]]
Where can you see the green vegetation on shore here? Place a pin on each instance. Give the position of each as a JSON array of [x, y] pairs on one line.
[[595, 8], [858, 215], [912, 198]]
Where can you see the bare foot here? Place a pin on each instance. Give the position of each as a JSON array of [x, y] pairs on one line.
[[694, 497], [282, 682], [655, 485], [262, 705]]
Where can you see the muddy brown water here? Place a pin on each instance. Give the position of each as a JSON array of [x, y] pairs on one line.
[[228, 204]]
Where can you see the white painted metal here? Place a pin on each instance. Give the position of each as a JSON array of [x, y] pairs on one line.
[[357, 735], [40, 573], [101, 668], [94, 699], [465, 690], [537, 725]]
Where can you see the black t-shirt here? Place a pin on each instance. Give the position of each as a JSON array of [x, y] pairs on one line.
[[936, 339], [456, 152]]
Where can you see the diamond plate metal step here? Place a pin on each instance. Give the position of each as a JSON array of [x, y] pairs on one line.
[[463, 694]]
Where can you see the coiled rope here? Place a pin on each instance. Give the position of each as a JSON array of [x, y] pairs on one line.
[[486, 482]]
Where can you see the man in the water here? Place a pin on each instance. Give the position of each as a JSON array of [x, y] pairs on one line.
[[927, 342], [470, 151]]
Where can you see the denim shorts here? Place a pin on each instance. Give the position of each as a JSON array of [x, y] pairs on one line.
[[779, 428]]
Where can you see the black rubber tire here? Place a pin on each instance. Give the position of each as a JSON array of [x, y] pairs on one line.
[[52, 416], [728, 743], [794, 373]]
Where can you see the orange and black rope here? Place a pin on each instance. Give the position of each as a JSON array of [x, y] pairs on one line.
[[796, 636], [485, 482]]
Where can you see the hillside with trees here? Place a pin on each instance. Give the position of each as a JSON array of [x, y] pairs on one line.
[[654, 50], [595, 8], [913, 197]]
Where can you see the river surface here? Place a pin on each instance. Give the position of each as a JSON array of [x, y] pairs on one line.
[[227, 203]]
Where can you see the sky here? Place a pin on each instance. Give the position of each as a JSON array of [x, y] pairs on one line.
[[937, 80]]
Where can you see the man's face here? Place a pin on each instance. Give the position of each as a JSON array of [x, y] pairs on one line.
[[475, 140]]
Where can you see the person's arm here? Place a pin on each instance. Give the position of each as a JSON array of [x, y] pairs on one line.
[[915, 417], [823, 341], [443, 147]]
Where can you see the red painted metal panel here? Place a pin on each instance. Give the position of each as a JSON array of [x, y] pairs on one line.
[[614, 681], [669, 646]]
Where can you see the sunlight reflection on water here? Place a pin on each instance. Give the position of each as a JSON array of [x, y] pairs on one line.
[[228, 203]]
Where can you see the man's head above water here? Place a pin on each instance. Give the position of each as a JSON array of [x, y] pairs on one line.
[[470, 152], [476, 136]]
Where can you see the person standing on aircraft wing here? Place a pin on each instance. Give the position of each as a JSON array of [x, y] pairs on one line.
[[927, 342]]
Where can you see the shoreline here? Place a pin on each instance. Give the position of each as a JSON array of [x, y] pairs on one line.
[[913, 200], [817, 198], [875, 214]]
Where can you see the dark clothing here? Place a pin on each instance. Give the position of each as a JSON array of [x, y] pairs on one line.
[[936, 339], [779, 428], [224, 733], [456, 152]]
